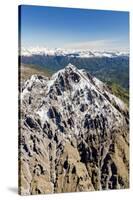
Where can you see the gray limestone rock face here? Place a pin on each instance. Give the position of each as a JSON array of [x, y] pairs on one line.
[[74, 135]]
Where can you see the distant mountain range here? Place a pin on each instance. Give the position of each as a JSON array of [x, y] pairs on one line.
[[71, 53]]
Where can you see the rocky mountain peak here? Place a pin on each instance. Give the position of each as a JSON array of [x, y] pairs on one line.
[[71, 67], [71, 77], [74, 134]]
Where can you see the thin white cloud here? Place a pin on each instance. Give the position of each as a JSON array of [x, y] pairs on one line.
[[98, 45]]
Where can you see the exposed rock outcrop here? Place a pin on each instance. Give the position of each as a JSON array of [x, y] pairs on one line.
[[73, 135]]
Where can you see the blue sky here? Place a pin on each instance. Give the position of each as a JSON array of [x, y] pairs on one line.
[[74, 28]]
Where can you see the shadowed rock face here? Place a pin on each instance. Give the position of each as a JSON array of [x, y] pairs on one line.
[[74, 135]]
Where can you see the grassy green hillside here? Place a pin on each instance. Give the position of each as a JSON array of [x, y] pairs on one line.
[[26, 71], [120, 92]]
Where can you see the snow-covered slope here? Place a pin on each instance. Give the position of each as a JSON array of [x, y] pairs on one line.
[[74, 134]]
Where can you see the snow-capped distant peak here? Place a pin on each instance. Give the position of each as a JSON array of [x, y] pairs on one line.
[[70, 53]]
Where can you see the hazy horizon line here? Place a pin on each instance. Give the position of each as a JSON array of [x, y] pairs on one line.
[[42, 47]]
